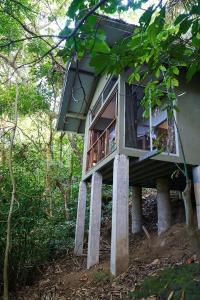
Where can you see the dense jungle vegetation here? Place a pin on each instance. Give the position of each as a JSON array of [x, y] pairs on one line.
[[40, 168]]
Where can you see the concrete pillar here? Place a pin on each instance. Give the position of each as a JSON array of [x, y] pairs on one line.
[[136, 211], [163, 205], [80, 221], [95, 220], [196, 180], [120, 216]]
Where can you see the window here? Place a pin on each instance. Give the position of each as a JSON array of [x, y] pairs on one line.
[[137, 129], [103, 96], [155, 132]]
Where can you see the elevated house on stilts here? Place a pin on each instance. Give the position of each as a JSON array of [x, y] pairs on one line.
[[120, 148]]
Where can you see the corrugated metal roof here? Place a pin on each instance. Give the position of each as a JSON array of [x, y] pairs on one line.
[[74, 104]]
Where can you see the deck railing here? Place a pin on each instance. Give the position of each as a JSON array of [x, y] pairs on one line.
[[103, 146]]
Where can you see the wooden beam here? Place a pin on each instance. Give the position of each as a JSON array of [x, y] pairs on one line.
[[75, 115]]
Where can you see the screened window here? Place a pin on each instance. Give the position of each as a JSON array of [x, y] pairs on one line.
[[103, 96], [155, 132]]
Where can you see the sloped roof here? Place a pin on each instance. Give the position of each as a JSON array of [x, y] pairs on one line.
[[74, 106]]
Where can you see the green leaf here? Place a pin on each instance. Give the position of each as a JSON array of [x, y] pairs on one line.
[[135, 41], [137, 76], [185, 26], [175, 70], [175, 82], [152, 33], [168, 82], [91, 20], [196, 41], [100, 61], [192, 70], [195, 27], [180, 18], [157, 73], [195, 10], [146, 17], [66, 31], [100, 46], [158, 102], [162, 68]]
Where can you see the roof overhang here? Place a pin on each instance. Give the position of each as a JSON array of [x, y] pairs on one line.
[[74, 104]]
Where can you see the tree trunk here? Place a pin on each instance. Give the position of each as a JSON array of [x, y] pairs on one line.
[[188, 205], [47, 182], [13, 197], [67, 192], [61, 146], [49, 159], [3, 148]]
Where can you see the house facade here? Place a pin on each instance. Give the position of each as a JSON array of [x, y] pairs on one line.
[[127, 149]]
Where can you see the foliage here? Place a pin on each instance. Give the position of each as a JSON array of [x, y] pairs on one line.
[[164, 46], [36, 237], [31, 99], [31, 36], [182, 282]]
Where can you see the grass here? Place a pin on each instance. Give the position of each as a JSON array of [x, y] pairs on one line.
[[183, 282], [101, 276]]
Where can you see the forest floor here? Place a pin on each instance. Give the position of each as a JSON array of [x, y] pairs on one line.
[[69, 279]]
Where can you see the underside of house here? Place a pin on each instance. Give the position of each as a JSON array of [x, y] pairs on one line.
[[127, 146]]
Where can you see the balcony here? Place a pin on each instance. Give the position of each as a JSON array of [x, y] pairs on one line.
[[103, 146]]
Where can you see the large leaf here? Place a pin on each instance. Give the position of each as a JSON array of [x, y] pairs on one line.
[[180, 18], [192, 70], [146, 17], [195, 10], [185, 26], [196, 41], [100, 46]]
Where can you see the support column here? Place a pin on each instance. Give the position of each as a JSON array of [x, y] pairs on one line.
[[196, 180], [80, 221], [95, 220], [163, 205], [136, 211], [120, 215]]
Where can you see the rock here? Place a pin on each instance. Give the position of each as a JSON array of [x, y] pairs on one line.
[[155, 262]]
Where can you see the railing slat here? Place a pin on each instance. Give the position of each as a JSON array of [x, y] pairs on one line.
[[102, 134]]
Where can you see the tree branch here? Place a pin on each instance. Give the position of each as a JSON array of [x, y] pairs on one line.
[[72, 34]]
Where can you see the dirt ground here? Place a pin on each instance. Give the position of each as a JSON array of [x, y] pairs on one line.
[[69, 279]]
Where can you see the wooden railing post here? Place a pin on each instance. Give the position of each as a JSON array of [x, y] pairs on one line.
[[99, 150], [107, 142]]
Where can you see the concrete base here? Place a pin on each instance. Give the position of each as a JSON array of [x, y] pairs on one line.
[[163, 205], [136, 211], [80, 222], [120, 216], [196, 180], [95, 220]]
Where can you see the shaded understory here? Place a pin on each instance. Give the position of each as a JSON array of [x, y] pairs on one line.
[[69, 279]]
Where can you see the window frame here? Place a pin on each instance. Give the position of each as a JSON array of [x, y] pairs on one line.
[[150, 130]]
